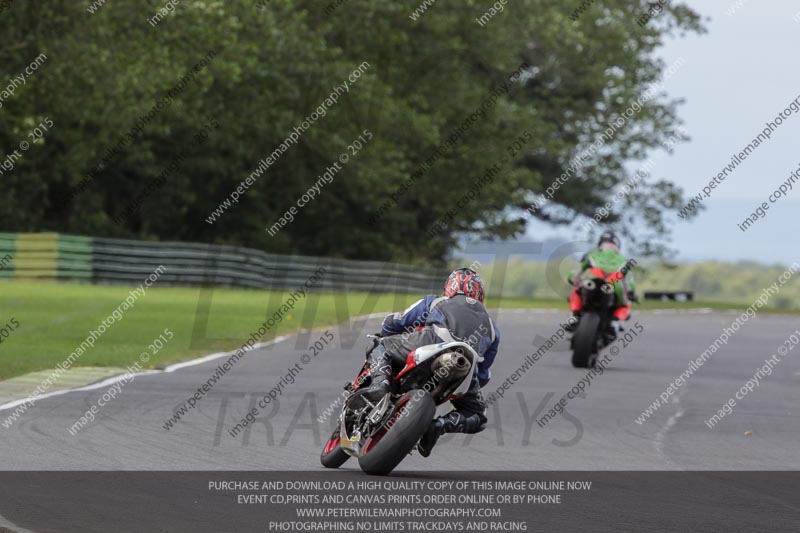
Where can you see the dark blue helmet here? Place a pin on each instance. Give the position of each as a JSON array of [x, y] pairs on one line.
[[611, 237]]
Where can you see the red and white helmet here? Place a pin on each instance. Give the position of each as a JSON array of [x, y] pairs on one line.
[[464, 281]]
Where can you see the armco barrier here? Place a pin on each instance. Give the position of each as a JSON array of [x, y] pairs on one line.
[[69, 258]]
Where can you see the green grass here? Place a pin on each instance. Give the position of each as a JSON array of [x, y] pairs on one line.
[[55, 318]]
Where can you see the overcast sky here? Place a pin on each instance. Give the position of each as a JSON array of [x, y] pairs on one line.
[[736, 77]]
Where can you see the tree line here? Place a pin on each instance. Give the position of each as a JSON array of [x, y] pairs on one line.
[[126, 97]]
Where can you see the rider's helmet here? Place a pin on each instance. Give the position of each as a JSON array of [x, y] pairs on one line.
[[464, 281], [611, 238]]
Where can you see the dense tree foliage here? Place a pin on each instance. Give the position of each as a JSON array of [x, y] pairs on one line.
[[270, 64]]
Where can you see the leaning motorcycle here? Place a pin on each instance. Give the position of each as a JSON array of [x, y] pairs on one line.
[[380, 435], [599, 301]]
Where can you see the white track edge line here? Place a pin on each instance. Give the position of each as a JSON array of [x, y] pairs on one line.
[[213, 356], [7, 524], [168, 369], [119, 377]]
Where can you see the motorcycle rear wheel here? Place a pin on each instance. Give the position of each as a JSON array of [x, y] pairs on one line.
[[584, 341], [411, 417]]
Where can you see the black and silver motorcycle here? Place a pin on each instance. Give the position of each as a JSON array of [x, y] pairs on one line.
[[380, 435]]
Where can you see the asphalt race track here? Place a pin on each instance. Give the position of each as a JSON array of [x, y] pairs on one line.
[[121, 472], [597, 432]]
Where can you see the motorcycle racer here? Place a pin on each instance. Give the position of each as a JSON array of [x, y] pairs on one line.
[[606, 258], [457, 315]]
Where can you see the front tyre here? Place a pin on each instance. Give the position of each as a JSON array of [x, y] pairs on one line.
[[332, 454], [411, 417], [584, 341]]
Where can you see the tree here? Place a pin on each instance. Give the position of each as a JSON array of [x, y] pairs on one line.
[[269, 66]]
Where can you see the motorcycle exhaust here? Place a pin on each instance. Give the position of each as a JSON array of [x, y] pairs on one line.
[[448, 368], [456, 360]]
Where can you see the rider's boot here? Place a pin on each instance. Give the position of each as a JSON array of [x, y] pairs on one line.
[[452, 422], [380, 373], [572, 323], [613, 331]]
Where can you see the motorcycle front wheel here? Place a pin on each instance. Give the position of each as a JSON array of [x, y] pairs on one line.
[[332, 454]]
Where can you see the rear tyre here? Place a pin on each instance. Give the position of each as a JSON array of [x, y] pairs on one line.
[[332, 454], [584, 341], [412, 416]]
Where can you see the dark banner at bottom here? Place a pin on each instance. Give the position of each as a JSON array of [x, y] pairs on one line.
[[348, 501]]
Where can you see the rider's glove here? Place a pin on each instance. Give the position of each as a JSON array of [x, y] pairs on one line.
[[483, 382], [633, 297]]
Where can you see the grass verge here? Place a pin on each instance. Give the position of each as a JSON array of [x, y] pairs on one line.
[[55, 318]]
